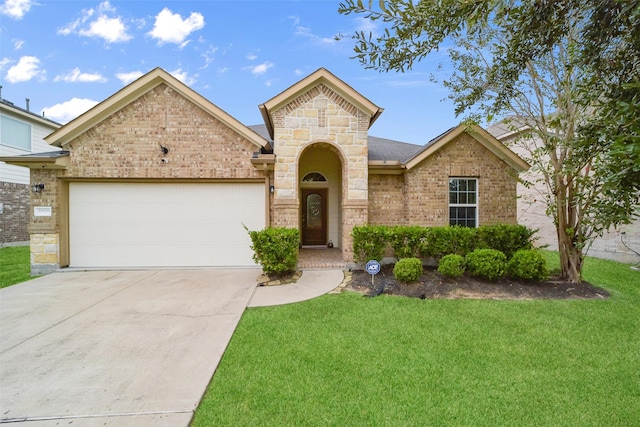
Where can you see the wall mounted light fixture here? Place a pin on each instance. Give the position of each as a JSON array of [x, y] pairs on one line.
[[37, 188], [272, 189]]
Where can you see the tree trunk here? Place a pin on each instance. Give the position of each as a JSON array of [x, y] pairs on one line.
[[570, 257], [570, 253]]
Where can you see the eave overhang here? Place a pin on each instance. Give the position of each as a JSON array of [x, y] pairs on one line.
[[52, 160], [264, 162]]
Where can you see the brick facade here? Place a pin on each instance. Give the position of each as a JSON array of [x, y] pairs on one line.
[[320, 127], [14, 219], [127, 145], [421, 195]]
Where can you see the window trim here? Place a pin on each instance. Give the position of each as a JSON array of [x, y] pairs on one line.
[[475, 205]]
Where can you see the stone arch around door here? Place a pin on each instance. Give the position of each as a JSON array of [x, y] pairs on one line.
[[321, 199]]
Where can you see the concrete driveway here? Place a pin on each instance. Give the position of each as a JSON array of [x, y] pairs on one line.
[[125, 348]]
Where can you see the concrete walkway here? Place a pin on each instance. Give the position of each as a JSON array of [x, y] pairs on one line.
[[125, 348], [311, 284]]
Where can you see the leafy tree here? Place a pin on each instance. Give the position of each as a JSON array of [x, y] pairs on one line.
[[570, 84]]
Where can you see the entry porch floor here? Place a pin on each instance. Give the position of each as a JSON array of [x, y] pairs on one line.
[[320, 257]]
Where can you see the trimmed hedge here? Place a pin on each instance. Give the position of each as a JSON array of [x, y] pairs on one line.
[[408, 269], [371, 242], [275, 249]]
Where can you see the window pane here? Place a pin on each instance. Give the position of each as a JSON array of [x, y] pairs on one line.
[[471, 199], [462, 197], [15, 133]]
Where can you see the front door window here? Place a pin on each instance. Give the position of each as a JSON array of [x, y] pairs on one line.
[[314, 217]]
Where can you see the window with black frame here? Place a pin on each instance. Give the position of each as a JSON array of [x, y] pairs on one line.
[[463, 202]]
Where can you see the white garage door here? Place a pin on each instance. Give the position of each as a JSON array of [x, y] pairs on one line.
[[163, 225]]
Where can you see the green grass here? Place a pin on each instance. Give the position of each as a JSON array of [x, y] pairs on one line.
[[345, 360], [14, 265]]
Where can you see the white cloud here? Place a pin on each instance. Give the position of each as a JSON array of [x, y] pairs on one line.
[[298, 72], [17, 44], [127, 78], [76, 76], [208, 56], [69, 110], [184, 77], [171, 28], [27, 68], [112, 30], [251, 57], [306, 32], [260, 69], [16, 9], [367, 26], [104, 26], [4, 62], [295, 19]]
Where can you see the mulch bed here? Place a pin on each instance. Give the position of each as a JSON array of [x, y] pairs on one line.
[[434, 285]]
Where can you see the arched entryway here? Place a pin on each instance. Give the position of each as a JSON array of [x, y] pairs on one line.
[[320, 194]]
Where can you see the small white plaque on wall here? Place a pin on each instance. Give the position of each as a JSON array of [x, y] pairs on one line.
[[42, 211]]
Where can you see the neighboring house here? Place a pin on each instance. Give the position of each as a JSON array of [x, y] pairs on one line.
[[157, 175], [622, 244], [21, 132]]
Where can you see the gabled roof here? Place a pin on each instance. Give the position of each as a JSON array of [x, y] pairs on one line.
[[320, 76], [480, 135], [135, 90]]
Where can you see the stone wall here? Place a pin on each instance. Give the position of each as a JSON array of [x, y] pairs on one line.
[[320, 115], [14, 218]]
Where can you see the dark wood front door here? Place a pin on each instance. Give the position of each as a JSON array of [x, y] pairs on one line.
[[314, 217]]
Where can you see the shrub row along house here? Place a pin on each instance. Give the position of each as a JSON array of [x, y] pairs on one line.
[[157, 175]]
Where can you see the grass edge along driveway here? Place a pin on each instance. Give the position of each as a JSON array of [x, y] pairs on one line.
[[15, 266], [348, 360]]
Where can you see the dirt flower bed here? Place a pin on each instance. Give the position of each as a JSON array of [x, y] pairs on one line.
[[434, 285]]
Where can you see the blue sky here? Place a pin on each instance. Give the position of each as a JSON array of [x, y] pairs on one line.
[[68, 55]]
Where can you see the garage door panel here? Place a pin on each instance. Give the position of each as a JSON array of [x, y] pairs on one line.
[[155, 225]]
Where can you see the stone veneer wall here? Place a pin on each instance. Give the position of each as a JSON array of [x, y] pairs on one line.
[[320, 115], [126, 145], [14, 218]]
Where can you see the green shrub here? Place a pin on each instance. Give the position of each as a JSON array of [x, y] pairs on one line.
[[405, 240], [369, 242], [452, 265], [442, 241], [275, 249], [506, 238], [486, 263], [408, 269], [528, 264]]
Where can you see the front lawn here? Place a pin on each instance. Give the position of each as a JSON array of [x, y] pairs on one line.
[[14, 265], [348, 360]]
